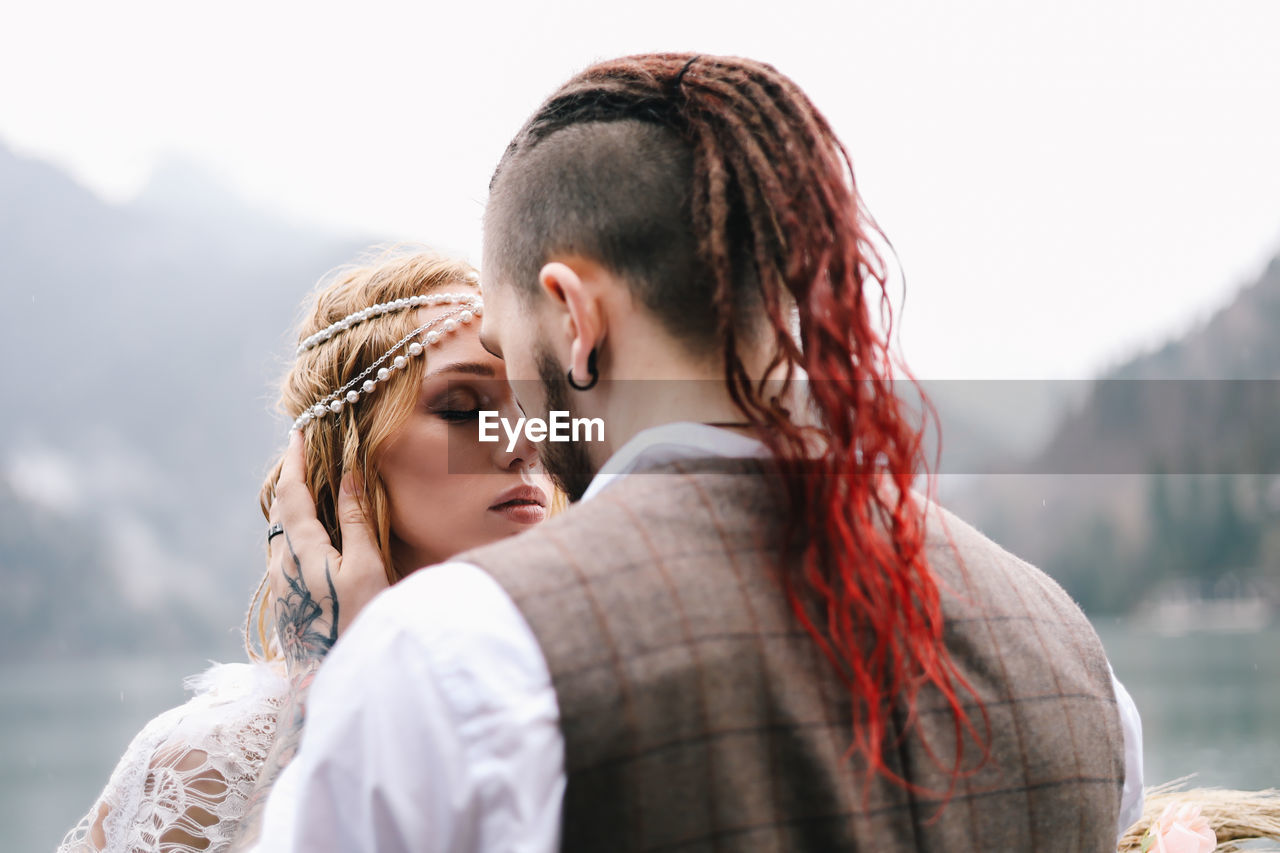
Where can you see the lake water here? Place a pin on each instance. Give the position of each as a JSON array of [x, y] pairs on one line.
[[1210, 705]]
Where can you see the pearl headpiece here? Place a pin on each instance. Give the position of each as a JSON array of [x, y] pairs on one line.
[[470, 307]]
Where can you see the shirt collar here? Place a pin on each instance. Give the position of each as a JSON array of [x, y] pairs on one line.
[[668, 442]]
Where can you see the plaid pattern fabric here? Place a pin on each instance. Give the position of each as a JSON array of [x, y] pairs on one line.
[[698, 714]]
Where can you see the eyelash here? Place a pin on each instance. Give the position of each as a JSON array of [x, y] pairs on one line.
[[450, 407], [459, 415]]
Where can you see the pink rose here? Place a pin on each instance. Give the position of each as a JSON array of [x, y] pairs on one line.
[[1180, 829]]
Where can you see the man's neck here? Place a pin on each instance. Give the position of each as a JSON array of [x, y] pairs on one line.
[[628, 407], [648, 378], [667, 401]]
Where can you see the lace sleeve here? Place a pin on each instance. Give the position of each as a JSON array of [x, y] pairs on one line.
[[184, 781]]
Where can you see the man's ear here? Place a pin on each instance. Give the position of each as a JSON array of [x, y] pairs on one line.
[[576, 296]]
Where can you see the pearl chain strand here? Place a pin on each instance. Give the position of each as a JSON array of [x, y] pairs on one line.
[[472, 307], [378, 310]]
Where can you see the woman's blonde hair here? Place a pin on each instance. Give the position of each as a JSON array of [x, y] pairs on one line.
[[353, 440]]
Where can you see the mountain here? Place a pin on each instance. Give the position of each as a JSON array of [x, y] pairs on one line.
[[141, 343], [1163, 477]]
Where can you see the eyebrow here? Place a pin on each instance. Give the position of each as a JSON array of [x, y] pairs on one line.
[[473, 368]]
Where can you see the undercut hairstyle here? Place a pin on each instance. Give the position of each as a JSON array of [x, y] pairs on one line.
[[617, 192], [722, 197]]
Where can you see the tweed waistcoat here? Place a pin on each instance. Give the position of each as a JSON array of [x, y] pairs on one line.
[[699, 715]]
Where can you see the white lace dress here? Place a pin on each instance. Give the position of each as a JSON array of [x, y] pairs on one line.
[[184, 781]]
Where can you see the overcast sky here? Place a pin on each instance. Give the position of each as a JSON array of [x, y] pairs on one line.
[[1065, 185]]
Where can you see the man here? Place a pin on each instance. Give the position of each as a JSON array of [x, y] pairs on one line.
[[749, 632]]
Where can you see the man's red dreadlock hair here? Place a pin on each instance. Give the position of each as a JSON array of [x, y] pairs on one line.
[[767, 192]]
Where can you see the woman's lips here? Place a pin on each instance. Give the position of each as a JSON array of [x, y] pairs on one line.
[[523, 504], [521, 511], [523, 493]]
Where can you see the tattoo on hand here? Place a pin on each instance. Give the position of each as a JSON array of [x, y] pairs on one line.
[[308, 626]]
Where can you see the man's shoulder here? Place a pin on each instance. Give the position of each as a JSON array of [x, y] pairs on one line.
[[436, 604], [673, 497], [957, 546], [445, 622], [541, 557]]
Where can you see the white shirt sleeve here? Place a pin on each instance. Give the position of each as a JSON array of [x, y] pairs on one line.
[[1131, 799], [432, 726]]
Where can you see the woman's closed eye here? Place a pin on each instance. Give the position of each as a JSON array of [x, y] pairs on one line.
[[457, 406]]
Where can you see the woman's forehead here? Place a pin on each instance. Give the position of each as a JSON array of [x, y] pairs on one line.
[[460, 354]]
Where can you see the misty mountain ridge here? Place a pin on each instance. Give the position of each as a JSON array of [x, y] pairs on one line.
[[1163, 479], [1235, 342], [143, 342]]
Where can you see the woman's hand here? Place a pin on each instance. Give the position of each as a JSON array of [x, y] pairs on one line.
[[318, 591]]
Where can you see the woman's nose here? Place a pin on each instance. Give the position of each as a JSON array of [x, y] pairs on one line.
[[523, 452]]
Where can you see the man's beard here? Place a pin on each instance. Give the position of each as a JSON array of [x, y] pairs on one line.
[[566, 462]]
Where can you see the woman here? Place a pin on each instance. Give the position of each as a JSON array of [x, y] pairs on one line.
[[386, 387]]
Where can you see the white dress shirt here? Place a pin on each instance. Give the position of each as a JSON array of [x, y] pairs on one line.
[[433, 724]]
